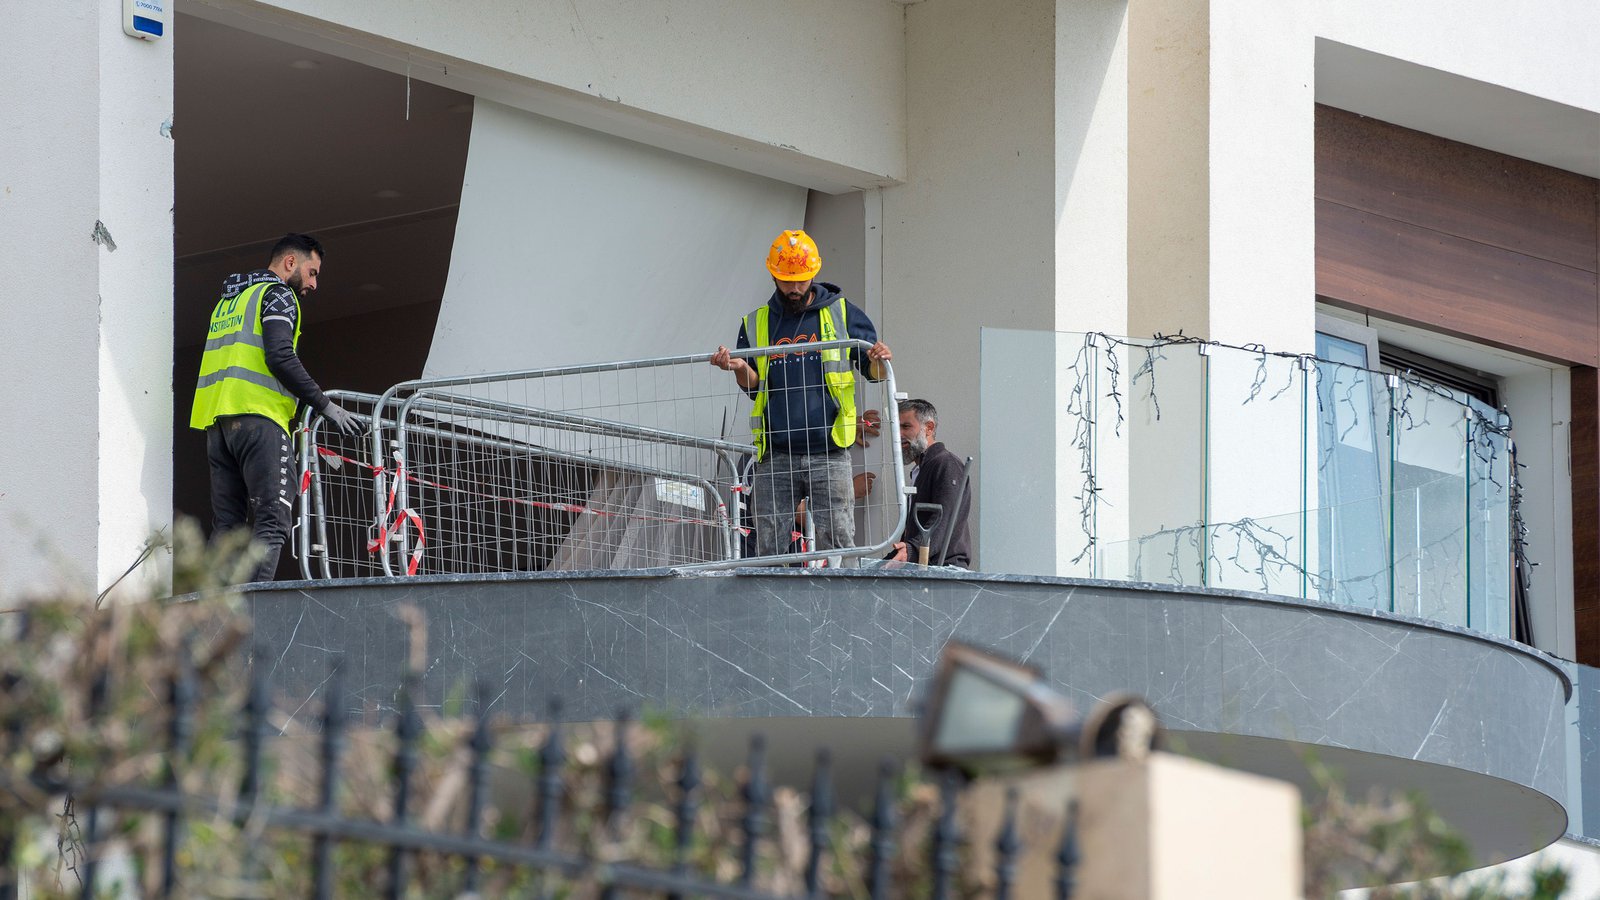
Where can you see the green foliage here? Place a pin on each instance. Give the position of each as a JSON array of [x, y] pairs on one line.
[[84, 701], [1397, 843]]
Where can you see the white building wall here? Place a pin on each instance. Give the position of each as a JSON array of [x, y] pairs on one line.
[[1221, 225], [1261, 169], [86, 409], [1547, 48], [811, 93], [838, 223], [1091, 165], [135, 353]]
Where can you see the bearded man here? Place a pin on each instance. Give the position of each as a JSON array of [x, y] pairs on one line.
[[939, 478]]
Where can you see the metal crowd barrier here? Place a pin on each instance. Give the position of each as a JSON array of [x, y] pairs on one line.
[[624, 465]]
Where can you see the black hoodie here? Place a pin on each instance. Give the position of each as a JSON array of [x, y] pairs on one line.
[[800, 411]]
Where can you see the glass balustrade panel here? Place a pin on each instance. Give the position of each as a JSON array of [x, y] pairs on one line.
[[1255, 441], [1349, 471], [1429, 504], [1489, 526], [1163, 398]]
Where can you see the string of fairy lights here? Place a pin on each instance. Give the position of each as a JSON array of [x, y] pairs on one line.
[[1257, 548]]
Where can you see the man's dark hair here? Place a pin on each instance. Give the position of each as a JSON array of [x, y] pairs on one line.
[[299, 244], [924, 410]]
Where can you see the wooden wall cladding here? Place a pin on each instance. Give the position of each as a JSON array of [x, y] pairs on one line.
[[1585, 450], [1458, 286], [1457, 238]]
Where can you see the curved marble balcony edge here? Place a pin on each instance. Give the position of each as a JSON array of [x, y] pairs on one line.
[[1254, 681]]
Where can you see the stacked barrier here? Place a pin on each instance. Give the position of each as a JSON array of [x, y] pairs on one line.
[[625, 465]]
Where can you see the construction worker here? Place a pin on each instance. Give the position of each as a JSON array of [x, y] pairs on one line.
[[250, 380], [805, 405]]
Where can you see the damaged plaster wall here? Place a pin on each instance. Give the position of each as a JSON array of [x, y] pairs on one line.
[[576, 247]]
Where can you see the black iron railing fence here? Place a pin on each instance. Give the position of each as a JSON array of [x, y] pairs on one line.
[[896, 857]]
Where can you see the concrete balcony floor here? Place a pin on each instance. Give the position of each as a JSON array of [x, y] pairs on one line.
[[812, 658]]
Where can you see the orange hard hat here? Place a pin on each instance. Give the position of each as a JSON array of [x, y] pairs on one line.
[[794, 257]]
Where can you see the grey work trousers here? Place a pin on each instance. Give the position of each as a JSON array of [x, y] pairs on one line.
[[782, 480]]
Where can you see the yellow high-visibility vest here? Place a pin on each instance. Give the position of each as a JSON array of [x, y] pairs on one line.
[[234, 377], [838, 375]]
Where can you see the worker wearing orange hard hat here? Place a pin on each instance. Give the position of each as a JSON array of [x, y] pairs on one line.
[[804, 417]]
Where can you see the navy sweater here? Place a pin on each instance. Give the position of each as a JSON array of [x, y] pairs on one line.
[[800, 411]]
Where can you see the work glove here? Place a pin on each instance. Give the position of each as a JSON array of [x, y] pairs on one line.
[[347, 424]]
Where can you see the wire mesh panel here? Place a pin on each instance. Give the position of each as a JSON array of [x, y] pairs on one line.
[[337, 509], [503, 488], [625, 465]]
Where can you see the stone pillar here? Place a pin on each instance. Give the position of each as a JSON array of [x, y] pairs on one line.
[[86, 201], [1163, 828]]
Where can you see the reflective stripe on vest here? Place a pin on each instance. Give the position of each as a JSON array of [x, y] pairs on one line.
[[838, 375], [234, 376]]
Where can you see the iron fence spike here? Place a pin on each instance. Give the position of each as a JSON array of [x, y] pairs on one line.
[[1007, 847], [255, 715], [1067, 855], [882, 842], [552, 756], [91, 853], [688, 802], [407, 729], [482, 743], [182, 698], [755, 802], [327, 791], [619, 773], [946, 838], [820, 814]]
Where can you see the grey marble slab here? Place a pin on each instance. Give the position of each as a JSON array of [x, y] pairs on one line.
[[762, 643], [1584, 715]]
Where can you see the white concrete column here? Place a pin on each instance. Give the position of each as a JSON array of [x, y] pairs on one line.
[[1221, 228], [86, 216], [1262, 173], [1011, 217]]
